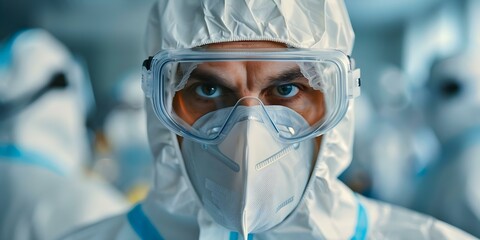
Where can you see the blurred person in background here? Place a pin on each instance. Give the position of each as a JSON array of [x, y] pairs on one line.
[[416, 141], [44, 148], [126, 135], [449, 189], [396, 41], [247, 151]]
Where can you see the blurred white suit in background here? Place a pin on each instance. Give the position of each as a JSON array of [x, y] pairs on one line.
[[44, 144]]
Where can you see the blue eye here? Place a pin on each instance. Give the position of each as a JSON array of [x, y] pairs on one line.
[[286, 90], [208, 90]]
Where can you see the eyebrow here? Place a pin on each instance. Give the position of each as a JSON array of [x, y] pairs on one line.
[[283, 77], [287, 76], [206, 76]]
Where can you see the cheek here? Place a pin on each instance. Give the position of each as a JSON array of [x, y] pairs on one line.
[[184, 109], [319, 108], [313, 108]]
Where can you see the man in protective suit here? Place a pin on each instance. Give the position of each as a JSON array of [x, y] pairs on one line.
[[249, 115]]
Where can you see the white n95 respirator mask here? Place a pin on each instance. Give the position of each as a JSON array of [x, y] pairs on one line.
[[250, 181]]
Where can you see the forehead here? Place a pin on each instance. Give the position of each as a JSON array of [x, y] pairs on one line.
[[246, 44], [250, 66], [238, 72], [253, 73]]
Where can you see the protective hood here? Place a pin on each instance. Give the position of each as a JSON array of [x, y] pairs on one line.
[[39, 78], [172, 203], [322, 24]]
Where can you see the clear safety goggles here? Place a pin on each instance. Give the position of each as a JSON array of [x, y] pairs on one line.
[[190, 88]]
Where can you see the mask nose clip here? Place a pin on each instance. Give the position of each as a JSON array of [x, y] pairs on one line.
[[249, 101], [254, 109]]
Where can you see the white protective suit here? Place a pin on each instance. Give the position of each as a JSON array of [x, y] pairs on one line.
[[328, 209], [43, 144]]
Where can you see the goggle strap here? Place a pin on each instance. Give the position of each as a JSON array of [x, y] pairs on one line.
[[147, 81], [354, 84]]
